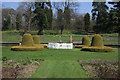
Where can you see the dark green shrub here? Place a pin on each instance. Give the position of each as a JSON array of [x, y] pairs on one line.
[[4, 59]]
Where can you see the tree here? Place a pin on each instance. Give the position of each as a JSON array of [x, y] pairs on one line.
[[41, 15], [87, 22], [116, 5], [49, 14], [60, 20], [113, 21], [67, 16], [7, 18], [100, 14], [42, 19], [25, 9], [79, 23], [18, 21]]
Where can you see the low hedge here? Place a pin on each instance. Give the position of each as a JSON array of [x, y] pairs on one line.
[[98, 49], [26, 48], [79, 46], [43, 45]]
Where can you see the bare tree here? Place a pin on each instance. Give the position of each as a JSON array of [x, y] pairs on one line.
[[26, 9]]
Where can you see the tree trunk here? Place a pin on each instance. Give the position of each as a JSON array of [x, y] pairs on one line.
[[40, 32], [62, 30]]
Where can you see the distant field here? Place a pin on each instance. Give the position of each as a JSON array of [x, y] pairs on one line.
[[53, 36]]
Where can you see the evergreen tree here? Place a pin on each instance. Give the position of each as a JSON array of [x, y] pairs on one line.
[[41, 15], [116, 5], [49, 15], [60, 20], [100, 14], [87, 22], [113, 21]]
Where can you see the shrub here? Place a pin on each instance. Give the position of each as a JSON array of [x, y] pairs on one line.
[[86, 41], [78, 46], [97, 41], [27, 40], [98, 49], [36, 39], [26, 48], [97, 45], [4, 59], [28, 44]]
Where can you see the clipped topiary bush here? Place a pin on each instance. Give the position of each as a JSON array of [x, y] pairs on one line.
[[97, 41], [36, 39], [28, 44], [85, 42], [97, 45], [27, 40]]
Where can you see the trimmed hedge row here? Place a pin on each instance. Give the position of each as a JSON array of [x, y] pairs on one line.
[[98, 49], [25, 48]]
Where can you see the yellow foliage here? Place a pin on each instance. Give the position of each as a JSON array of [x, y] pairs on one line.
[[36, 39], [98, 49], [79, 46], [25, 48], [27, 40], [97, 41], [86, 41]]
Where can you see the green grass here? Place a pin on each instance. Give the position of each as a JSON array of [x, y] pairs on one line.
[[65, 69], [59, 63], [16, 36], [54, 54]]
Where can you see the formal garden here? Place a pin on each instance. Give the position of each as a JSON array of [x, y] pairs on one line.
[[60, 40], [34, 60]]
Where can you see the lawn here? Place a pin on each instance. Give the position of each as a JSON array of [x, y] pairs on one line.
[[16, 36], [59, 63]]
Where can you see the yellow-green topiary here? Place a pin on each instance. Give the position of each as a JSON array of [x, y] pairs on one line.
[[97, 45], [79, 46], [26, 48], [36, 39], [27, 44], [98, 49], [85, 42], [27, 40], [97, 41]]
